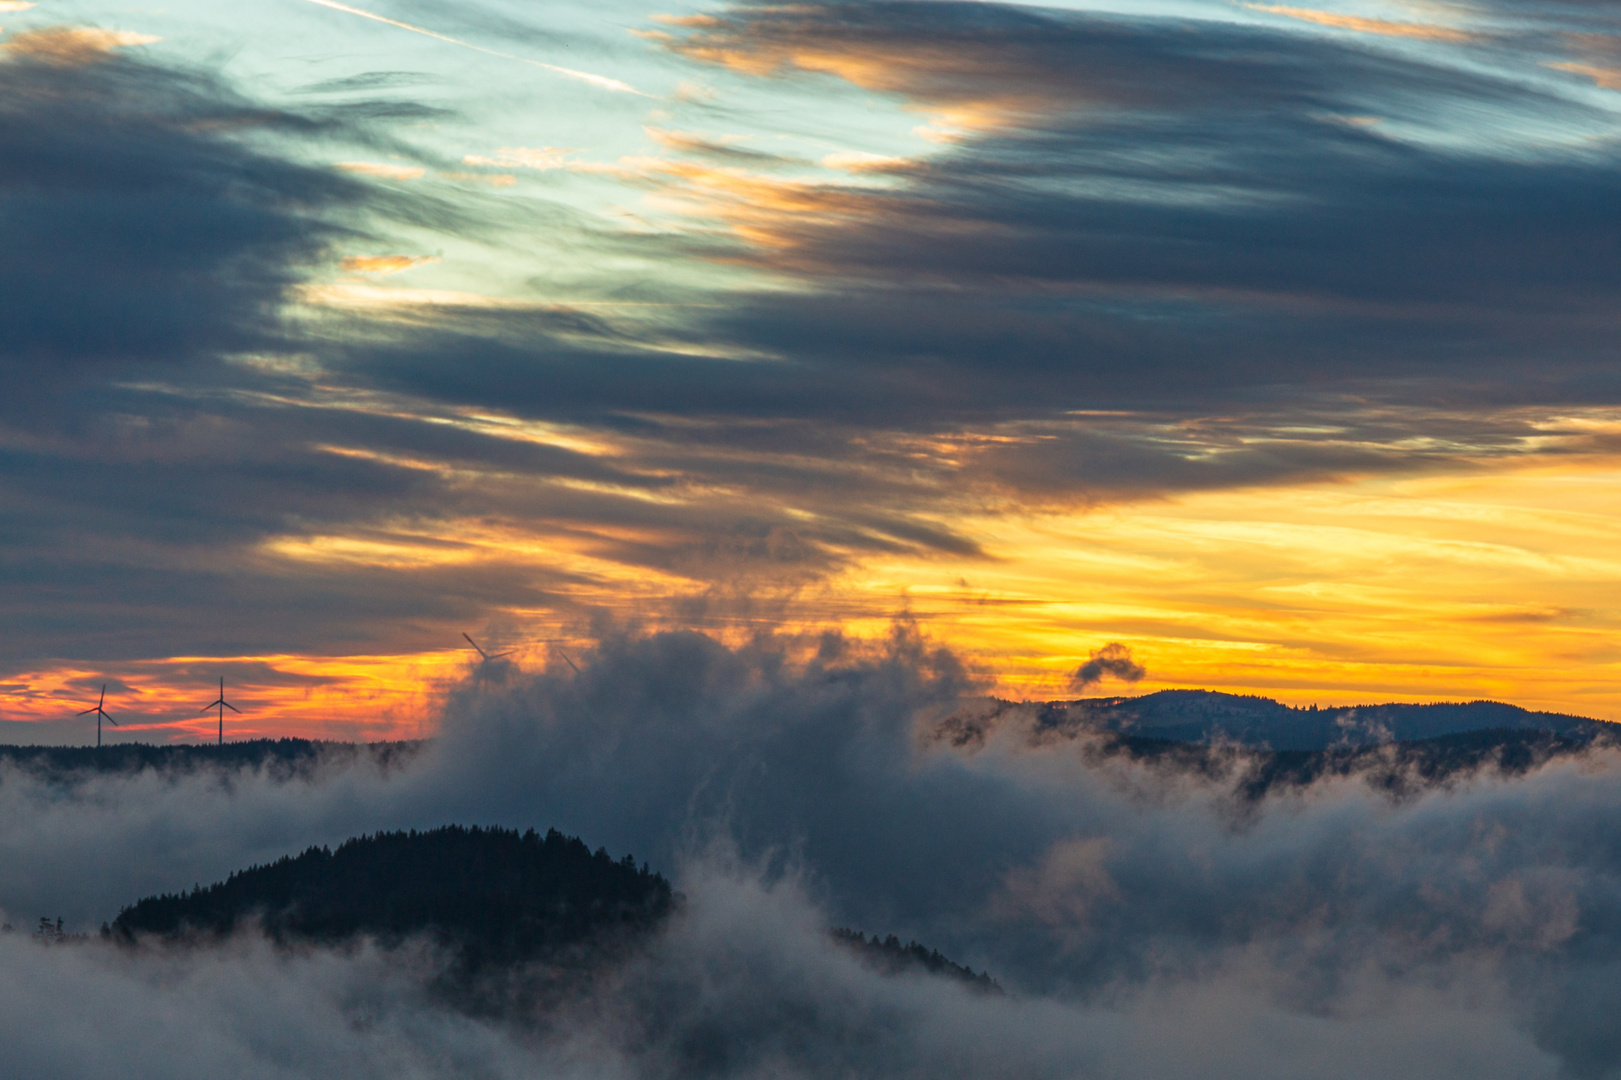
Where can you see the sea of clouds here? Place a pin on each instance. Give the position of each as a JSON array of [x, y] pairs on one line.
[[1144, 922]]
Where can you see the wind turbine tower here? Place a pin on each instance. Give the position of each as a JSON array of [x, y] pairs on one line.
[[101, 714], [222, 704]]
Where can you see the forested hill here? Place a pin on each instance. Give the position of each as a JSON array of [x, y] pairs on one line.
[[496, 898], [493, 895], [281, 757], [1206, 716]]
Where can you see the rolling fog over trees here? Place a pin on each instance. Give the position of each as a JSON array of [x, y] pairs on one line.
[[493, 895], [1142, 916]]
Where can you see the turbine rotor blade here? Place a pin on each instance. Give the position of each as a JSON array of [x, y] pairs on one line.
[[228, 705], [88, 711]]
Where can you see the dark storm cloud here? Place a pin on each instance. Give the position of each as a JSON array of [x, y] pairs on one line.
[[146, 233], [1033, 63], [1332, 932], [1151, 215], [133, 233], [1175, 212]]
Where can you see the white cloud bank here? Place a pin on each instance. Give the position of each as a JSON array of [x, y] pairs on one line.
[[1145, 924]]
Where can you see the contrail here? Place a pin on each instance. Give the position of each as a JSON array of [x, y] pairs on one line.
[[595, 80]]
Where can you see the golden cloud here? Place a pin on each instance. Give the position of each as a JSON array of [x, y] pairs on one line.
[[1607, 78], [385, 264], [860, 161], [767, 211], [382, 170], [1364, 25], [961, 93], [492, 179], [73, 45]]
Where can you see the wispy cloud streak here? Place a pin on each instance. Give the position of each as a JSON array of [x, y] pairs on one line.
[[602, 81]]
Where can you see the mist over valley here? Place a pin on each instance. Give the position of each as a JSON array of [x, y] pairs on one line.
[[1118, 893]]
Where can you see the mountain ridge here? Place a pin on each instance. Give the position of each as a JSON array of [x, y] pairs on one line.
[[1175, 715], [1213, 716]]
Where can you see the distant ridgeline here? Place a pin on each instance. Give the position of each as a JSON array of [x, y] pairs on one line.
[[1207, 716], [494, 896], [1394, 746], [284, 758], [892, 958]]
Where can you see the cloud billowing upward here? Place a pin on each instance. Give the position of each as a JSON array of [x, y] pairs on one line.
[[1112, 661], [793, 786]]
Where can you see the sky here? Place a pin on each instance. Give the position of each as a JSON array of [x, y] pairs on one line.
[[1272, 343]]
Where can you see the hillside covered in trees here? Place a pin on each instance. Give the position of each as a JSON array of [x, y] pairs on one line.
[[494, 896]]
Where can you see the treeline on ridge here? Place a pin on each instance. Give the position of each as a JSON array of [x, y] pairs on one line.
[[889, 957]]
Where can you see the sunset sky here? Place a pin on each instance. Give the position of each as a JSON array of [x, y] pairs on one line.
[[1277, 344]]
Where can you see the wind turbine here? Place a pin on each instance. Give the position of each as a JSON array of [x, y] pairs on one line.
[[101, 714], [223, 705], [487, 657], [560, 652]]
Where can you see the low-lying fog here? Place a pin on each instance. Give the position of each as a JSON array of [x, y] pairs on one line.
[[1144, 922]]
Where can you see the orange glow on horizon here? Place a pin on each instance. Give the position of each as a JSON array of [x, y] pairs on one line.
[[1503, 585], [359, 698]]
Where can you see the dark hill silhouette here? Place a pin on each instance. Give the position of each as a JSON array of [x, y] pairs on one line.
[[1206, 716], [526, 921], [495, 897]]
